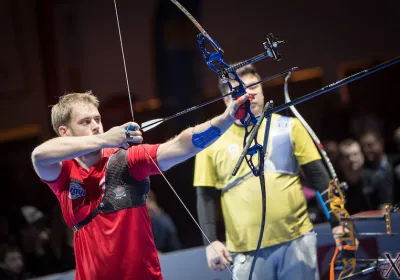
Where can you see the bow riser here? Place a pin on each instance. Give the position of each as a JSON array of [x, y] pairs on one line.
[[228, 74], [348, 240], [215, 61]]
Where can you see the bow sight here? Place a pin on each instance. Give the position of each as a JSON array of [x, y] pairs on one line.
[[271, 50], [271, 46]]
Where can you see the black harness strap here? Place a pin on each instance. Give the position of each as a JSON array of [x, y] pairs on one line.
[[122, 191], [87, 220]]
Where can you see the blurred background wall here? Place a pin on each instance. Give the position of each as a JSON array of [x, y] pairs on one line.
[[49, 47]]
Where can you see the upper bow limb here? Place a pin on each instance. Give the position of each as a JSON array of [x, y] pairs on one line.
[[312, 165]]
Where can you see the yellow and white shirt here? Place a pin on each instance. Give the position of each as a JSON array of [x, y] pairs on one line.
[[289, 145]]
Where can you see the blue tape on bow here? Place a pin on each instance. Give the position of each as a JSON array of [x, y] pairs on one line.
[[200, 140], [322, 202]]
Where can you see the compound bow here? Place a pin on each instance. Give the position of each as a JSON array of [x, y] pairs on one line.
[[228, 74]]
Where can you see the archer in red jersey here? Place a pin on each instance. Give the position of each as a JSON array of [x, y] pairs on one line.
[[102, 184]]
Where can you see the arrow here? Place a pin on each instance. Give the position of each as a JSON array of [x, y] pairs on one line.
[[335, 85], [146, 126]]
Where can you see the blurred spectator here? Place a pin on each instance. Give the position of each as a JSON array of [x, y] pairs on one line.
[[396, 166], [62, 241], [4, 232], [35, 242], [396, 136], [164, 230], [351, 160], [332, 150], [350, 169], [378, 176], [11, 263], [364, 121]]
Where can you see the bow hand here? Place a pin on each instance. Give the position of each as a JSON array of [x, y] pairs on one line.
[[244, 105], [121, 136], [338, 233]]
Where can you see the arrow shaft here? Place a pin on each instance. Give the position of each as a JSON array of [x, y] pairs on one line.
[[364, 261], [272, 77], [216, 99], [361, 218], [196, 107], [188, 110], [335, 85], [306, 97], [360, 234], [362, 272]]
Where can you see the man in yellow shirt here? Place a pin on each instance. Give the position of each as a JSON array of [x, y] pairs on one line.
[[289, 247]]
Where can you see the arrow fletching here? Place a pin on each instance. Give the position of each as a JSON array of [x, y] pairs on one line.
[[146, 126]]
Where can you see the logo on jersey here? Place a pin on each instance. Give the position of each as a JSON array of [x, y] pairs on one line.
[[119, 192], [76, 191]]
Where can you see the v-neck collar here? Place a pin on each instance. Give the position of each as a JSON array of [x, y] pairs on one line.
[[97, 166]]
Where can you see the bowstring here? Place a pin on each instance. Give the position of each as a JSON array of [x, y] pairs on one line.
[[159, 170], [123, 59]]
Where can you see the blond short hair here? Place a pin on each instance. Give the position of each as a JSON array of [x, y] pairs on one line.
[[61, 112]]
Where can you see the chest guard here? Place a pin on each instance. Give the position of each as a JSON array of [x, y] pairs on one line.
[[122, 191]]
